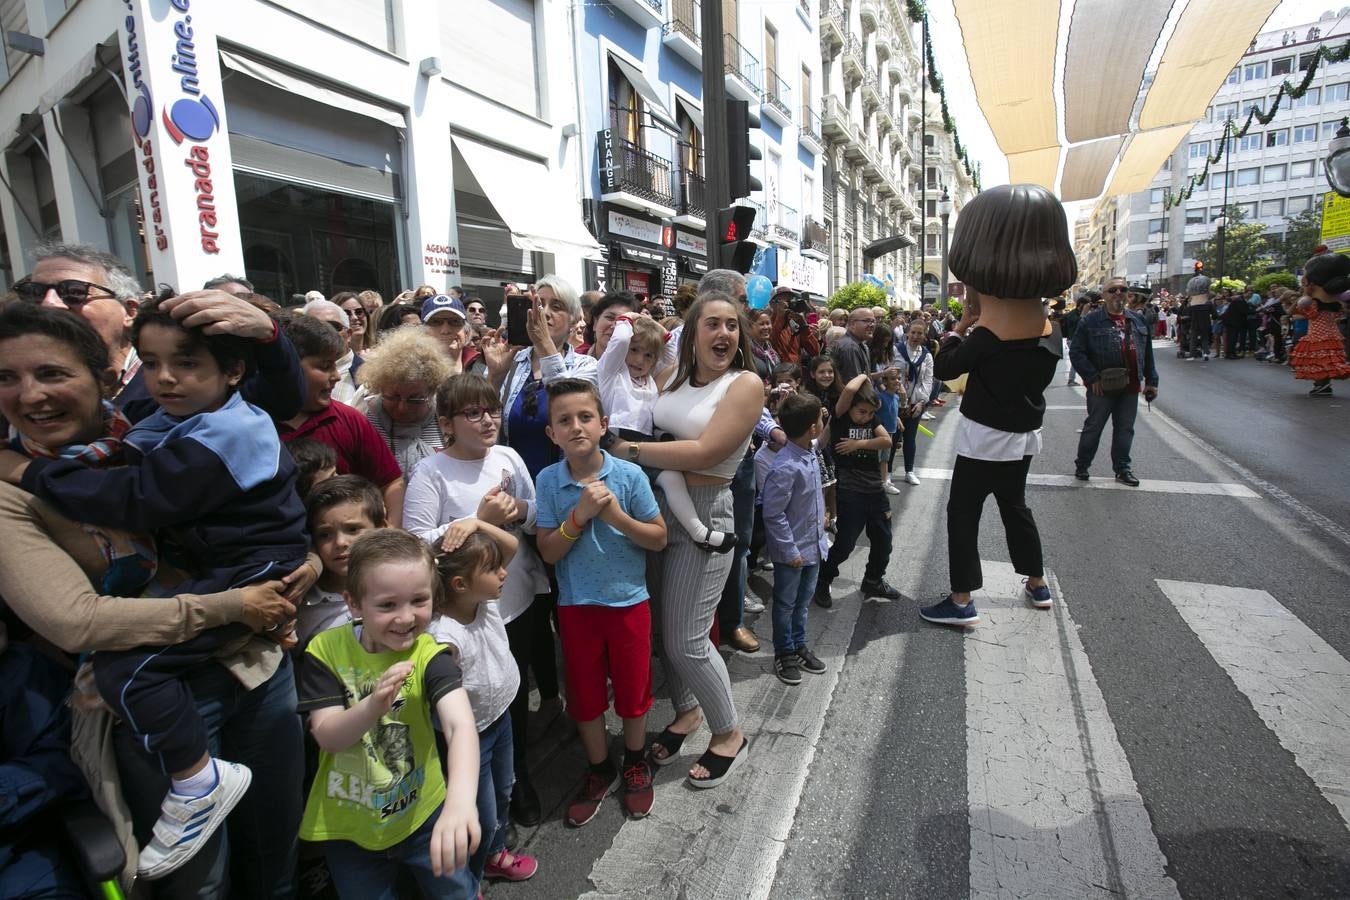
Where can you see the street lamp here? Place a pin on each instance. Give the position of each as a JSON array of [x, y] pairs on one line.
[[945, 211], [1220, 222], [1337, 163]]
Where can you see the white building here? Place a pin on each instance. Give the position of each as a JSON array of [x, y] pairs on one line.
[[1274, 171], [368, 143]]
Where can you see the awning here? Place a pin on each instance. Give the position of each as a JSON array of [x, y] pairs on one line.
[[99, 56], [542, 217], [694, 113], [1086, 167], [887, 245], [285, 81], [655, 106], [646, 255], [1098, 98]]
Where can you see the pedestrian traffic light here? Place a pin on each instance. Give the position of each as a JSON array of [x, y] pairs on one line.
[[741, 150], [733, 227], [1199, 267]]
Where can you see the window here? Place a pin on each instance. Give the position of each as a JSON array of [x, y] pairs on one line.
[[1155, 226], [472, 35], [1247, 177], [1273, 174], [930, 208], [1282, 66], [1155, 195], [1195, 216], [1253, 71], [1277, 138], [1249, 142], [1215, 212], [1199, 149], [691, 142], [932, 177], [1312, 98], [1248, 210], [1272, 208], [625, 106], [1157, 257], [930, 245], [1329, 130], [1338, 92], [1302, 169], [1305, 134], [1299, 204], [1233, 77], [1253, 105], [1192, 249], [1305, 61], [929, 141], [1225, 111]]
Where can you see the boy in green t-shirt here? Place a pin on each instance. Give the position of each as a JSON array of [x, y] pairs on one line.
[[369, 687]]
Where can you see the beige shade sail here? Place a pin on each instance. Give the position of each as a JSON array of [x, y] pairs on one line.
[[1010, 46], [1143, 157], [1209, 39], [1086, 167], [1110, 42], [1034, 167]]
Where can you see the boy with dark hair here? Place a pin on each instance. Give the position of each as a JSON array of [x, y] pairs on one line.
[[360, 451], [597, 517], [340, 510], [315, 462], [794, 519], [858, 440]]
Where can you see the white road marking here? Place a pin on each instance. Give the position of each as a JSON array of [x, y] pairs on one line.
[[1206, 488], [1054, 807], [1078, 406], [1296, 682]]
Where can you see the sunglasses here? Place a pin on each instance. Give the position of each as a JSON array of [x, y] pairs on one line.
[[355, 311], [71, 291], [474, 414], [1116, 290]]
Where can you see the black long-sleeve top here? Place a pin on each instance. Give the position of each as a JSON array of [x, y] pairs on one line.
[[1007, 379]]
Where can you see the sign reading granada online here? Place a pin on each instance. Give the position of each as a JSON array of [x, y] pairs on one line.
[[172, 75]]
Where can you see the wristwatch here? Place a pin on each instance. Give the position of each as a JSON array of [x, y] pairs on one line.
[[634, 448]]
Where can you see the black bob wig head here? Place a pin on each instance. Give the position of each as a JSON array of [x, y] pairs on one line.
[[1012, 242], [1330, 271]]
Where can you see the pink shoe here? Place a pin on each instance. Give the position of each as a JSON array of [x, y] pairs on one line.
[[520, 868]]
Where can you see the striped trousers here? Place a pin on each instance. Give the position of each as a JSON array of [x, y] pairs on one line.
[[687, 590]]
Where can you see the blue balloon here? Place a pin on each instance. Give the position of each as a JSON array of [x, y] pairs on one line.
[[758, 290]]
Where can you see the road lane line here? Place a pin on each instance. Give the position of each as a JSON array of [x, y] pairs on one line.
[[1152, 485], [1053, 805], [1297, 683]]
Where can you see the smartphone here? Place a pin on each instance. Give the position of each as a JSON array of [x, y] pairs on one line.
[[812, 318], [517, 315]]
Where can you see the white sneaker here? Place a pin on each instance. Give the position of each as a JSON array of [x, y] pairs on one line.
[[187, 823], [911, 478], [752, 604], [889, 487], [929, 416]]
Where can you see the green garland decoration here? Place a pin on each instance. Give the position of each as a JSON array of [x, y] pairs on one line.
[[1256, 114]]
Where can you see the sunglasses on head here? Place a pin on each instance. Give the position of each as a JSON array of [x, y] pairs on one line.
[[71, 291]]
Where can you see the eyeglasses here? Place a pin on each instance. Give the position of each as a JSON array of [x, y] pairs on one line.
[[477, 309], [72, 292], [406, 401], [475, 413], [1116, 290]]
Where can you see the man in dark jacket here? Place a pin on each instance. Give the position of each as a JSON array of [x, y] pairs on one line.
[[1069, 324], [1112, 338]]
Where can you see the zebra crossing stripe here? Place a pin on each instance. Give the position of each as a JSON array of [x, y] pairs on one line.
[[1296, 682], [1107, 483], [1053, 805]]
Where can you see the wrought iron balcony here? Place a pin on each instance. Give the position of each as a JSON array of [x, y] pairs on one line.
[[809, 131], [834, 122], [785, 229], [629, 169], [741, 64], [833, 26], [777, 96], [683, 31], [815, 239], [853, 59], [693, 192], [871, 89]]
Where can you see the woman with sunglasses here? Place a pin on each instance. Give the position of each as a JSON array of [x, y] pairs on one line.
[[400, 378], [357, 319]]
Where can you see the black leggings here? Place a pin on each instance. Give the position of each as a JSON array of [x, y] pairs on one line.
[[972, 481], [530, 636]]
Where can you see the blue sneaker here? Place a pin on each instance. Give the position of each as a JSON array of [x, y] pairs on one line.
[[1039, 596], [947, 612]]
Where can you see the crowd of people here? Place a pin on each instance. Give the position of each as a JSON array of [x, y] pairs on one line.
[[300, 569]]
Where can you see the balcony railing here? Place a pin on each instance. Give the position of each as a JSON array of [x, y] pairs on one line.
[[834, 122], [777, 93], [786, 226], [693, 192], [633, 170], [815, 237], [853, 57], [811, 126], [686, 18], [833, 23], [759, 228], [741, 63]]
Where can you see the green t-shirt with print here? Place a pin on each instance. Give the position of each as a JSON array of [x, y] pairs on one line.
[[383, 788]]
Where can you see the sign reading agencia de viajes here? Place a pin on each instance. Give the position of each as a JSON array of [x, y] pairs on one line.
[[172, 77]]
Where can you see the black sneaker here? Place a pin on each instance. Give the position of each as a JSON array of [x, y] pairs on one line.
[[809, 661], [879, 589], [1320, 390], [1081, 474], [1125, 476], [822, 595], [788, 668]]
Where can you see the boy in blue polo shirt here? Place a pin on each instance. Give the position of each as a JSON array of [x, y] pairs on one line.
[[596, 518]]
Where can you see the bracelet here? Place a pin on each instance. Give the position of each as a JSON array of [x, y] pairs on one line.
[[562, 529], [572, 517]]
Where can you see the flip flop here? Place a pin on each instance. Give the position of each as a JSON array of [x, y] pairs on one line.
[[669, 741], [719, 767]]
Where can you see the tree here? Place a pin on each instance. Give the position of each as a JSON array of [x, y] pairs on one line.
[[857, 294], [1302, 234], [1246, 253]]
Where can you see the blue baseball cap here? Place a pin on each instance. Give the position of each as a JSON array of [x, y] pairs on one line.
[[442, 303]]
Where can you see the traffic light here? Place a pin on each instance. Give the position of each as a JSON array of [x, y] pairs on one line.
[[741, 150], [1199, 267], [733, 228]]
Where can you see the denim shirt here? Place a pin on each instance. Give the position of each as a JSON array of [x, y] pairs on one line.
[[794, 507], [1096, 346], [565, 364]]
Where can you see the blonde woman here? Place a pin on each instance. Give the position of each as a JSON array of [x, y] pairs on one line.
[[400, 378]]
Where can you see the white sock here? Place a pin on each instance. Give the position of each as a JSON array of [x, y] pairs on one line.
[[198, 785], [682, 508]]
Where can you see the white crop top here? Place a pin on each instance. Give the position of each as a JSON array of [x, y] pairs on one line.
[[686, 411]]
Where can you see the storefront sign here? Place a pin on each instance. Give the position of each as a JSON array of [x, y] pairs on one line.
[[696, 244], [609, 177], [441, 259], [801, 273], [695, 265], [637, 283], [634, 253], [670, 276], [622, 225], [182, 148]]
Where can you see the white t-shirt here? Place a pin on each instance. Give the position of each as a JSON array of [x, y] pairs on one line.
[[489, 671], [627, 404], [444, 490], [976, 441]]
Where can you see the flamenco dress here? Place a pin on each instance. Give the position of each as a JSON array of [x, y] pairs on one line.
[[1320, 355]]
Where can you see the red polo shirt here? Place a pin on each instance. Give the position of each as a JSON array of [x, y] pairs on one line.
[[360, 451]]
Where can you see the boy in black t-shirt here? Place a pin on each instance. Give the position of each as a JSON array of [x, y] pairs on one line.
[[858, 439]]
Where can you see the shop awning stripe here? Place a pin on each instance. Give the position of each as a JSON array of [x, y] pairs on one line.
[[1109, 46], [1086, 167], [1034, 167], [1208, 41], [1010, 46], [1145, 155]]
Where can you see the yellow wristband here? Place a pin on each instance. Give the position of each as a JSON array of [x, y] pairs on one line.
[[563, 531]]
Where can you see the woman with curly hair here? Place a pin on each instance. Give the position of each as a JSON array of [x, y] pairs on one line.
[[400, 377], [1320, 356]]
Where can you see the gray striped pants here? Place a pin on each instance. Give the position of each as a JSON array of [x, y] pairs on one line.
[[688, 590]]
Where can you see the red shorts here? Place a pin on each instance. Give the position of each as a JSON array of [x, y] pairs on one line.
[[601, 643]]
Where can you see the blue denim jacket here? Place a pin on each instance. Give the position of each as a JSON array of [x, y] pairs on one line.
[[1096, 346]]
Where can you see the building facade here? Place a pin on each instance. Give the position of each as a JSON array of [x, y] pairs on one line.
[[1273, 172], [944, 177]]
